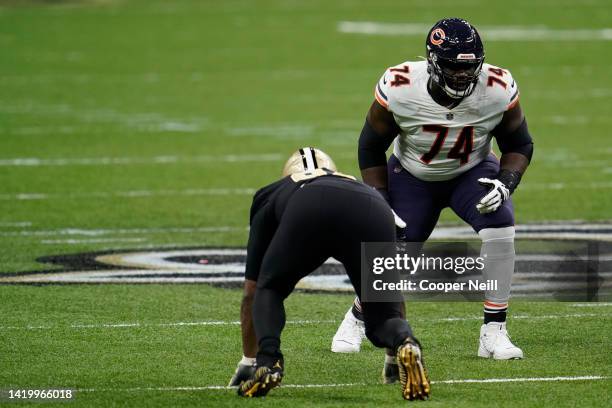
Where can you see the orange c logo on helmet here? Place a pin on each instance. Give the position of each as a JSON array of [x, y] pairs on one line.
[[437, 36]]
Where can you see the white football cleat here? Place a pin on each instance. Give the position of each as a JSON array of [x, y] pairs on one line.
[[350, 334], [495, 343]]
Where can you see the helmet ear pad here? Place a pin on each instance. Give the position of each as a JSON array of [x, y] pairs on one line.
[[431, 69]]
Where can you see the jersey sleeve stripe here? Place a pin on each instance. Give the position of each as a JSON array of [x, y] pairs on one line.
[[382, 102], [380, 99], [514, 96], [513, 103], [381, 92], [513, 100]]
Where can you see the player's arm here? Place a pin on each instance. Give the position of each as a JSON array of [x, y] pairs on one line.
[[262, 229], [516, 146], [377, 135]]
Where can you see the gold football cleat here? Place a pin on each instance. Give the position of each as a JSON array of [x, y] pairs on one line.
[[412, 373], [264, 379]]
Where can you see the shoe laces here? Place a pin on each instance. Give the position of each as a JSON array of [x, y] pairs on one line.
[[351, 331], [501, 337]]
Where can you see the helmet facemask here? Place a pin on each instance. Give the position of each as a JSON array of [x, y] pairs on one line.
[[457, 77], [455, 55]]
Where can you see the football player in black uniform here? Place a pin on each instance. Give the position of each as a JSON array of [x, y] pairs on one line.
[[297, 223]]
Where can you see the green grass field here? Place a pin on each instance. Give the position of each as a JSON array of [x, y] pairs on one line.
[[148, 124]]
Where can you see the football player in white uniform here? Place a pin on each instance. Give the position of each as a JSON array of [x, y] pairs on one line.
[[442, 114]]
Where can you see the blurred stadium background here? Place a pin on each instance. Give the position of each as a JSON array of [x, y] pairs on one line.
[[128, 124]]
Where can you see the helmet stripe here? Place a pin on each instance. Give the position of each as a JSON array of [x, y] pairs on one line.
[[314, 157], [304, 163], [307, 159]]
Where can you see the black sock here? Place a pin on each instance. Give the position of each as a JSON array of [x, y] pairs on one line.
[[357, 310], [499, 317], [495, 311]]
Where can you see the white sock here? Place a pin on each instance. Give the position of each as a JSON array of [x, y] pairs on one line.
[[249, 361], [390, 359]]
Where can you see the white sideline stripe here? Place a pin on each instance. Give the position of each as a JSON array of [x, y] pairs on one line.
[[489, 33], [237, 322], [105, 161], [130, 194], [464, 381], [120, 231]]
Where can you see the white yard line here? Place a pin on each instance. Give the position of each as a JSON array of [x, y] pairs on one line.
[[222, 191], [523, 379], [524, 317], [170, 324], [593, 304], [490, 33], [297, 322], [593, 185], [16, 224], [552, 230], [346, 385], [117, 231], [226, 191], [565, 94], [89, 241], [111, 161]]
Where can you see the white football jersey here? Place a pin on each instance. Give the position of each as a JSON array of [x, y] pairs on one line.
[[437, 143]]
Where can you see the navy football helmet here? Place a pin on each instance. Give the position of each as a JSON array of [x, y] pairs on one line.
[[455, 55]]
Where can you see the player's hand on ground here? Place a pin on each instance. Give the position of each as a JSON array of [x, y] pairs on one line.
[[497, 194], [243, 372]]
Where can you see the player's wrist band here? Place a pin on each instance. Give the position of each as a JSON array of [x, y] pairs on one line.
[[510, 178]]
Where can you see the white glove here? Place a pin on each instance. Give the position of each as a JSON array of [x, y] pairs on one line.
[[243, 372], [399, 223], [494, 198]]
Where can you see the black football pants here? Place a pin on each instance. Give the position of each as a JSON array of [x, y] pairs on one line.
[[326, 218]]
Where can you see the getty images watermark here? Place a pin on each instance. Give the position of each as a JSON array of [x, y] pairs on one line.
[[407, 264], [468, 270]]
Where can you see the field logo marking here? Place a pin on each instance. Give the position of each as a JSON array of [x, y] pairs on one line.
[[581, 272]]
